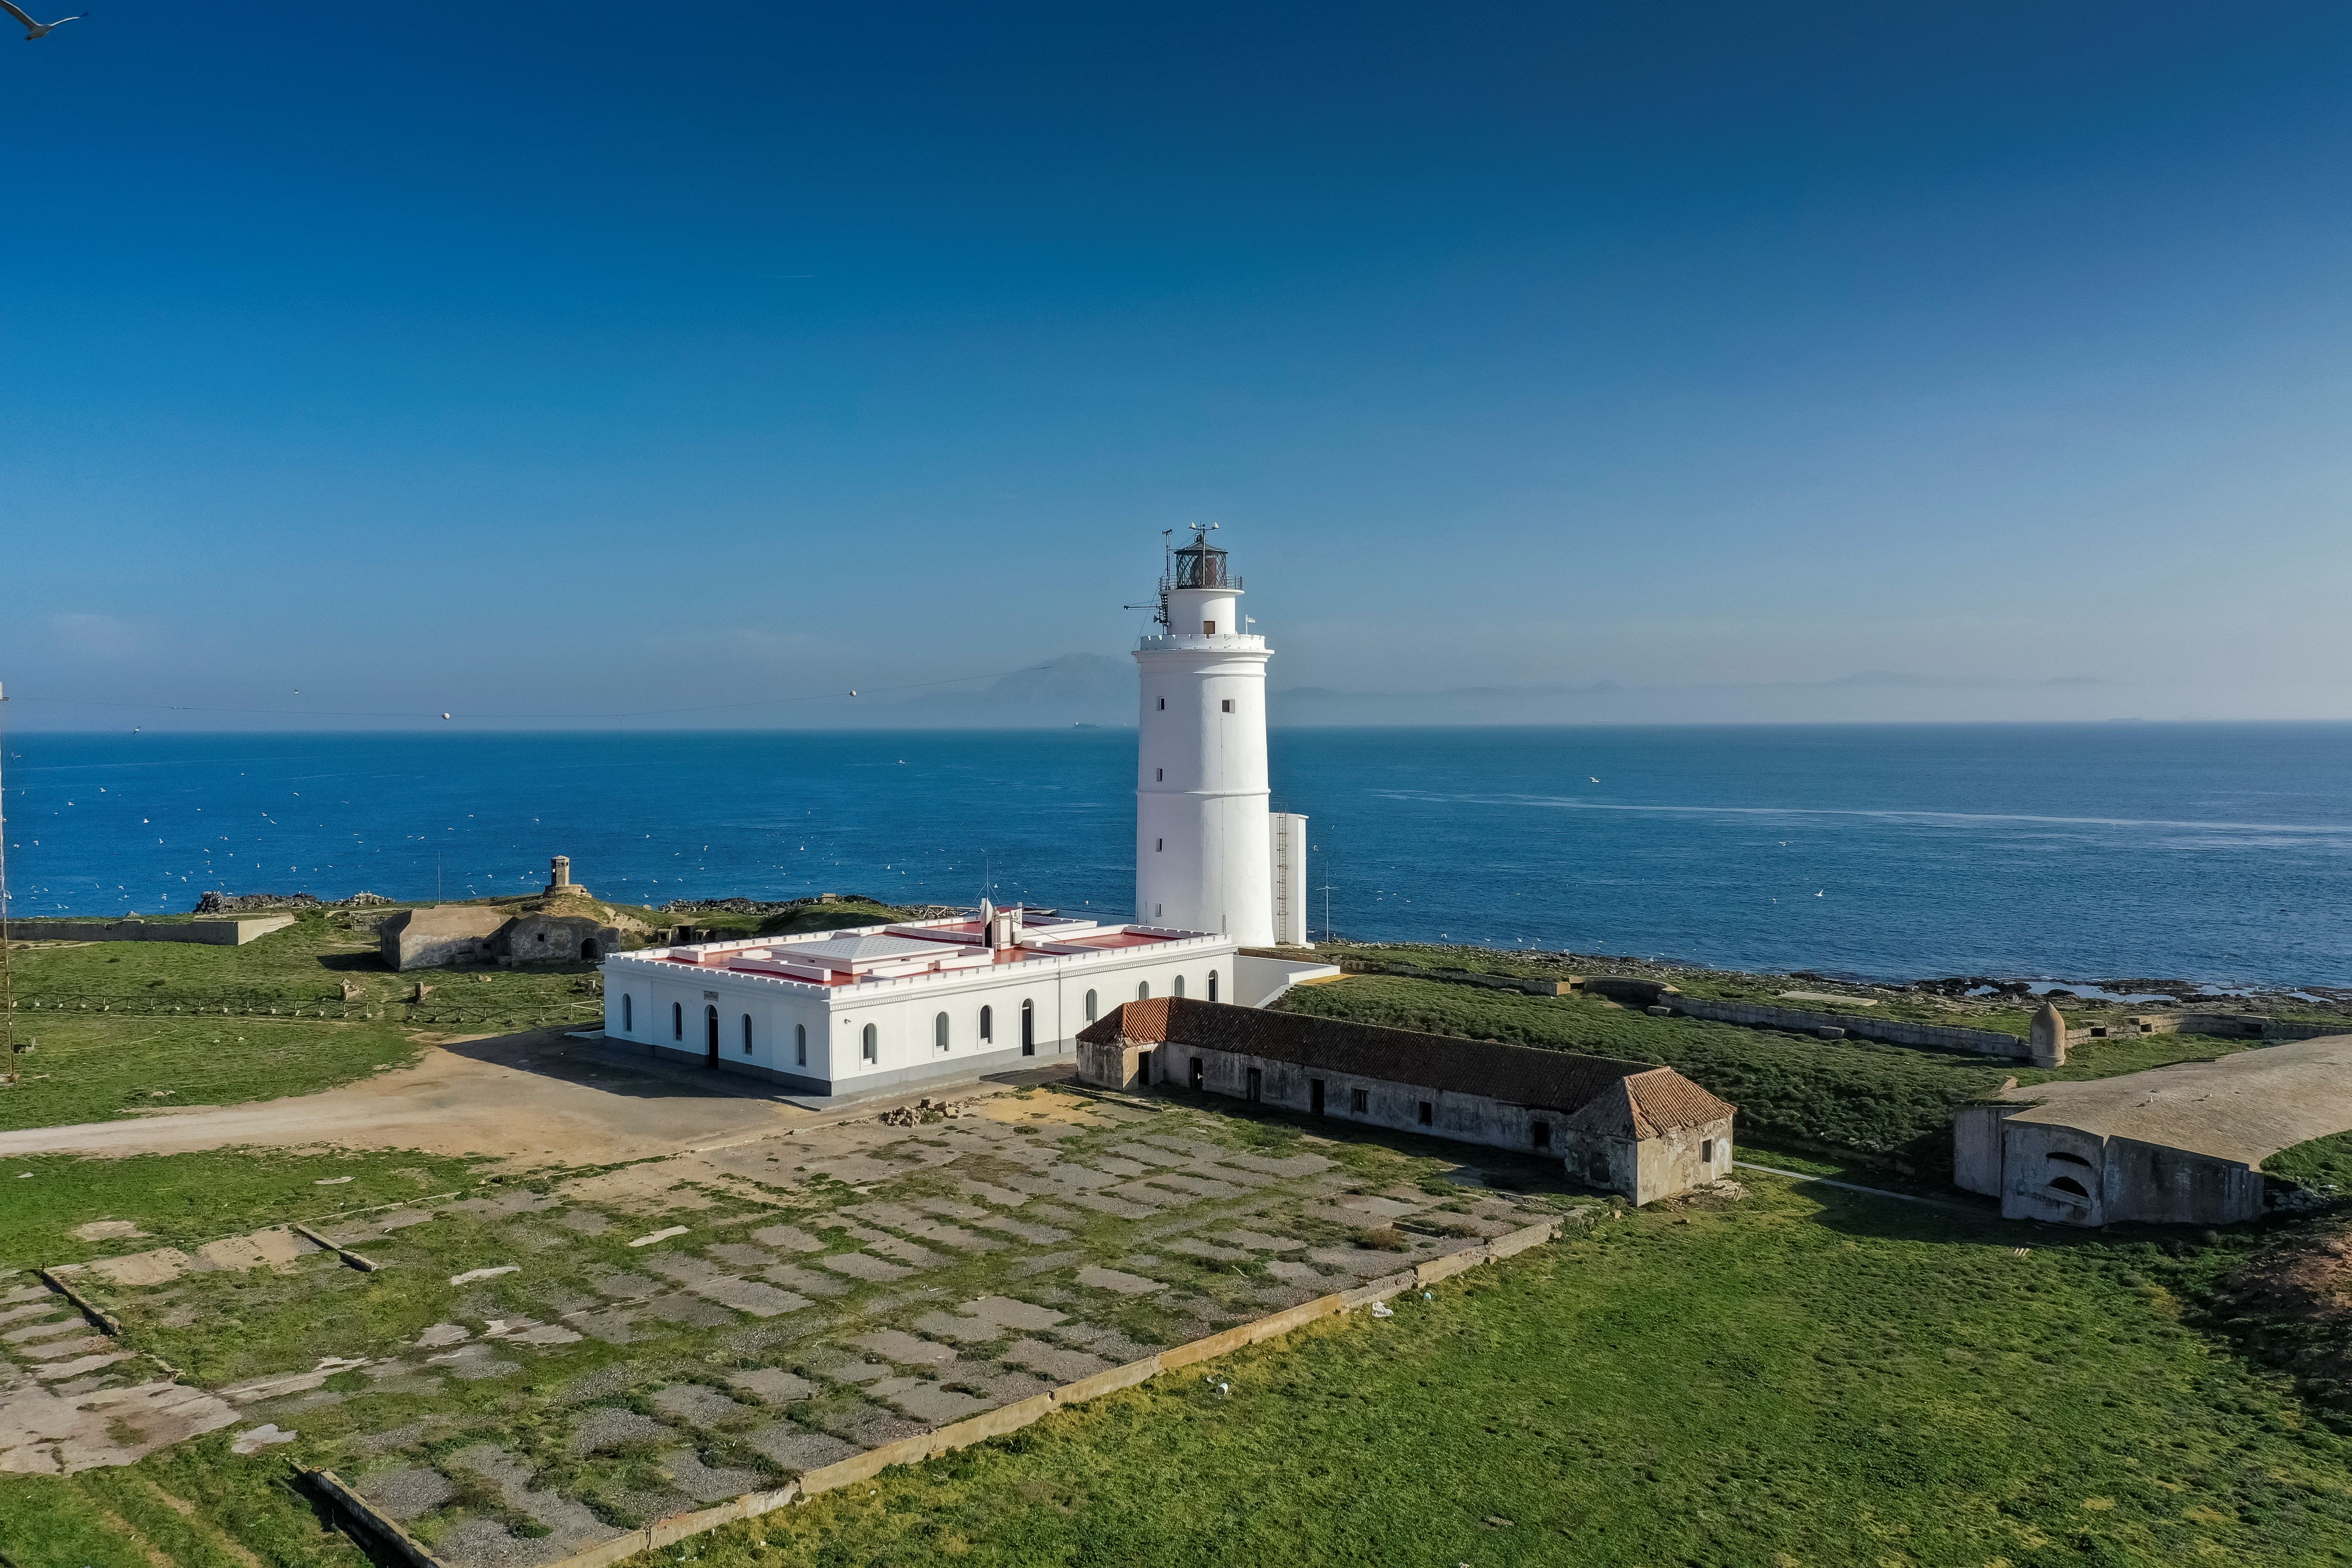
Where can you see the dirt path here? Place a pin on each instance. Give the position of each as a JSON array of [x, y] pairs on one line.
[[533, 1097]]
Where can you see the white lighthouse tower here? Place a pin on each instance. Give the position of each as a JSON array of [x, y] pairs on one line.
[[1210, 855]]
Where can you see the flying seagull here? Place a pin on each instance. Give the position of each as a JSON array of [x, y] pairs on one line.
[[37, 29]]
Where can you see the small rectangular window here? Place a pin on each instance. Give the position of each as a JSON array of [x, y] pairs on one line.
[[1360, 1101], [1208, 628], [1158, 844], [1163, 704], [1707, 1152], [1229, 704], [1540, 1134], [1428, 1113], [1159, 775]]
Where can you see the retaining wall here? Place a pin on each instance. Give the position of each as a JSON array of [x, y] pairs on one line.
[[1894, 1031], [212, 933]]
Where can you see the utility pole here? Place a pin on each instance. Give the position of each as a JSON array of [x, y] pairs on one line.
[[7, 957]]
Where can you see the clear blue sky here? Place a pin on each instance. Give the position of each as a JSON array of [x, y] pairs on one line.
[[537, 358]]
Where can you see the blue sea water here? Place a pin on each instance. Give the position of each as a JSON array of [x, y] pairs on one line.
[[2221, 854]]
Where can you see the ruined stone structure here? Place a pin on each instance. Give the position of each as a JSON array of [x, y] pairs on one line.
[[565, 926], [1627, 1127], [2174, 1145]]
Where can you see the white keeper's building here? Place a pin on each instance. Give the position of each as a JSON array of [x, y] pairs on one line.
[[852, 1012]]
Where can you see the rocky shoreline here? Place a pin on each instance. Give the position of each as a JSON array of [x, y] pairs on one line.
[[1959, 994]]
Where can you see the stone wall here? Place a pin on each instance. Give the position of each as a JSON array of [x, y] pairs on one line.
[[210, 933], [429, 938], [1893, 1031], [1681, 1158]]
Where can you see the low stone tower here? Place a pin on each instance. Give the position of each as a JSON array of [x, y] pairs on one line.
[[559, 879], [2048, 1041]]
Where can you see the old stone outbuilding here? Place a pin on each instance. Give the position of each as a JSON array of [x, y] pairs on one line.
[[1627, 1127]]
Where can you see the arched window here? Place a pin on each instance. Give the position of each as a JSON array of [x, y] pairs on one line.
[[2069, 1185], [799, 1045], [747, 1033], [629, 1013], [1090, 1007], [676, 1021], [1028, 1027], [987, 1026], [1143, 992], [939, 1032], [871, 1044], [1213, 986], [1177, 989]]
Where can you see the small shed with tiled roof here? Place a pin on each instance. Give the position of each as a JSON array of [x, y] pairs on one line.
[[1628, 1127]]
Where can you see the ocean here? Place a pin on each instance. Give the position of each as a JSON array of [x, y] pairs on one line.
[[2218, 854]]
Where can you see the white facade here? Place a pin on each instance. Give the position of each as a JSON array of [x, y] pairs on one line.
[[939, 1002], [1289, 879], [1206, 850]]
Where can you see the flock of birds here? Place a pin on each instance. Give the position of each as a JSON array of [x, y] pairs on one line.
[[37, 29]]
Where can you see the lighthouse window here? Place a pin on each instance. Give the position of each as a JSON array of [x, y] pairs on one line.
[[1178, 987], [872, 1044], [1158, 845], [1090, 1007], [1160, 774], [1163, 703], [987, 1025], [1213, 986], [939, 1032], [676, 1021], [747, 1033], [1229, 705], [1143, 992], [628, 1012], [799, 1045], [1208, 628]]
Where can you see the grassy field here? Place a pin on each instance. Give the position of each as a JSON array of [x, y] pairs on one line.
[[128, 1026], [97, 1068], [186, 1199], [1886, 1102], [1786, 1381], [1802, 1378]]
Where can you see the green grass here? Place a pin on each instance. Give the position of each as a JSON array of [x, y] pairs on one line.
[[816, 917], [1798, 1380], [184, 1199], [305, 967], [96, 1069], [2323, 1165], [1886, 1102]]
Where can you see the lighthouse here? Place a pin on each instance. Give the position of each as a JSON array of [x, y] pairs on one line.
[[1211, 855]]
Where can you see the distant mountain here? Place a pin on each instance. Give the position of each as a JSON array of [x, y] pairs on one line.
[[1075, 689], [1100, 689]]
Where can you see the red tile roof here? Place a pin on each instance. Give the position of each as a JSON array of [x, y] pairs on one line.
[[1642, 1098]]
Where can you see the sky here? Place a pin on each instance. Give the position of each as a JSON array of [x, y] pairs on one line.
[[586, 363]]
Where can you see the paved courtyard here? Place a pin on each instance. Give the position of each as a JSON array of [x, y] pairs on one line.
[[537, 1366]]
